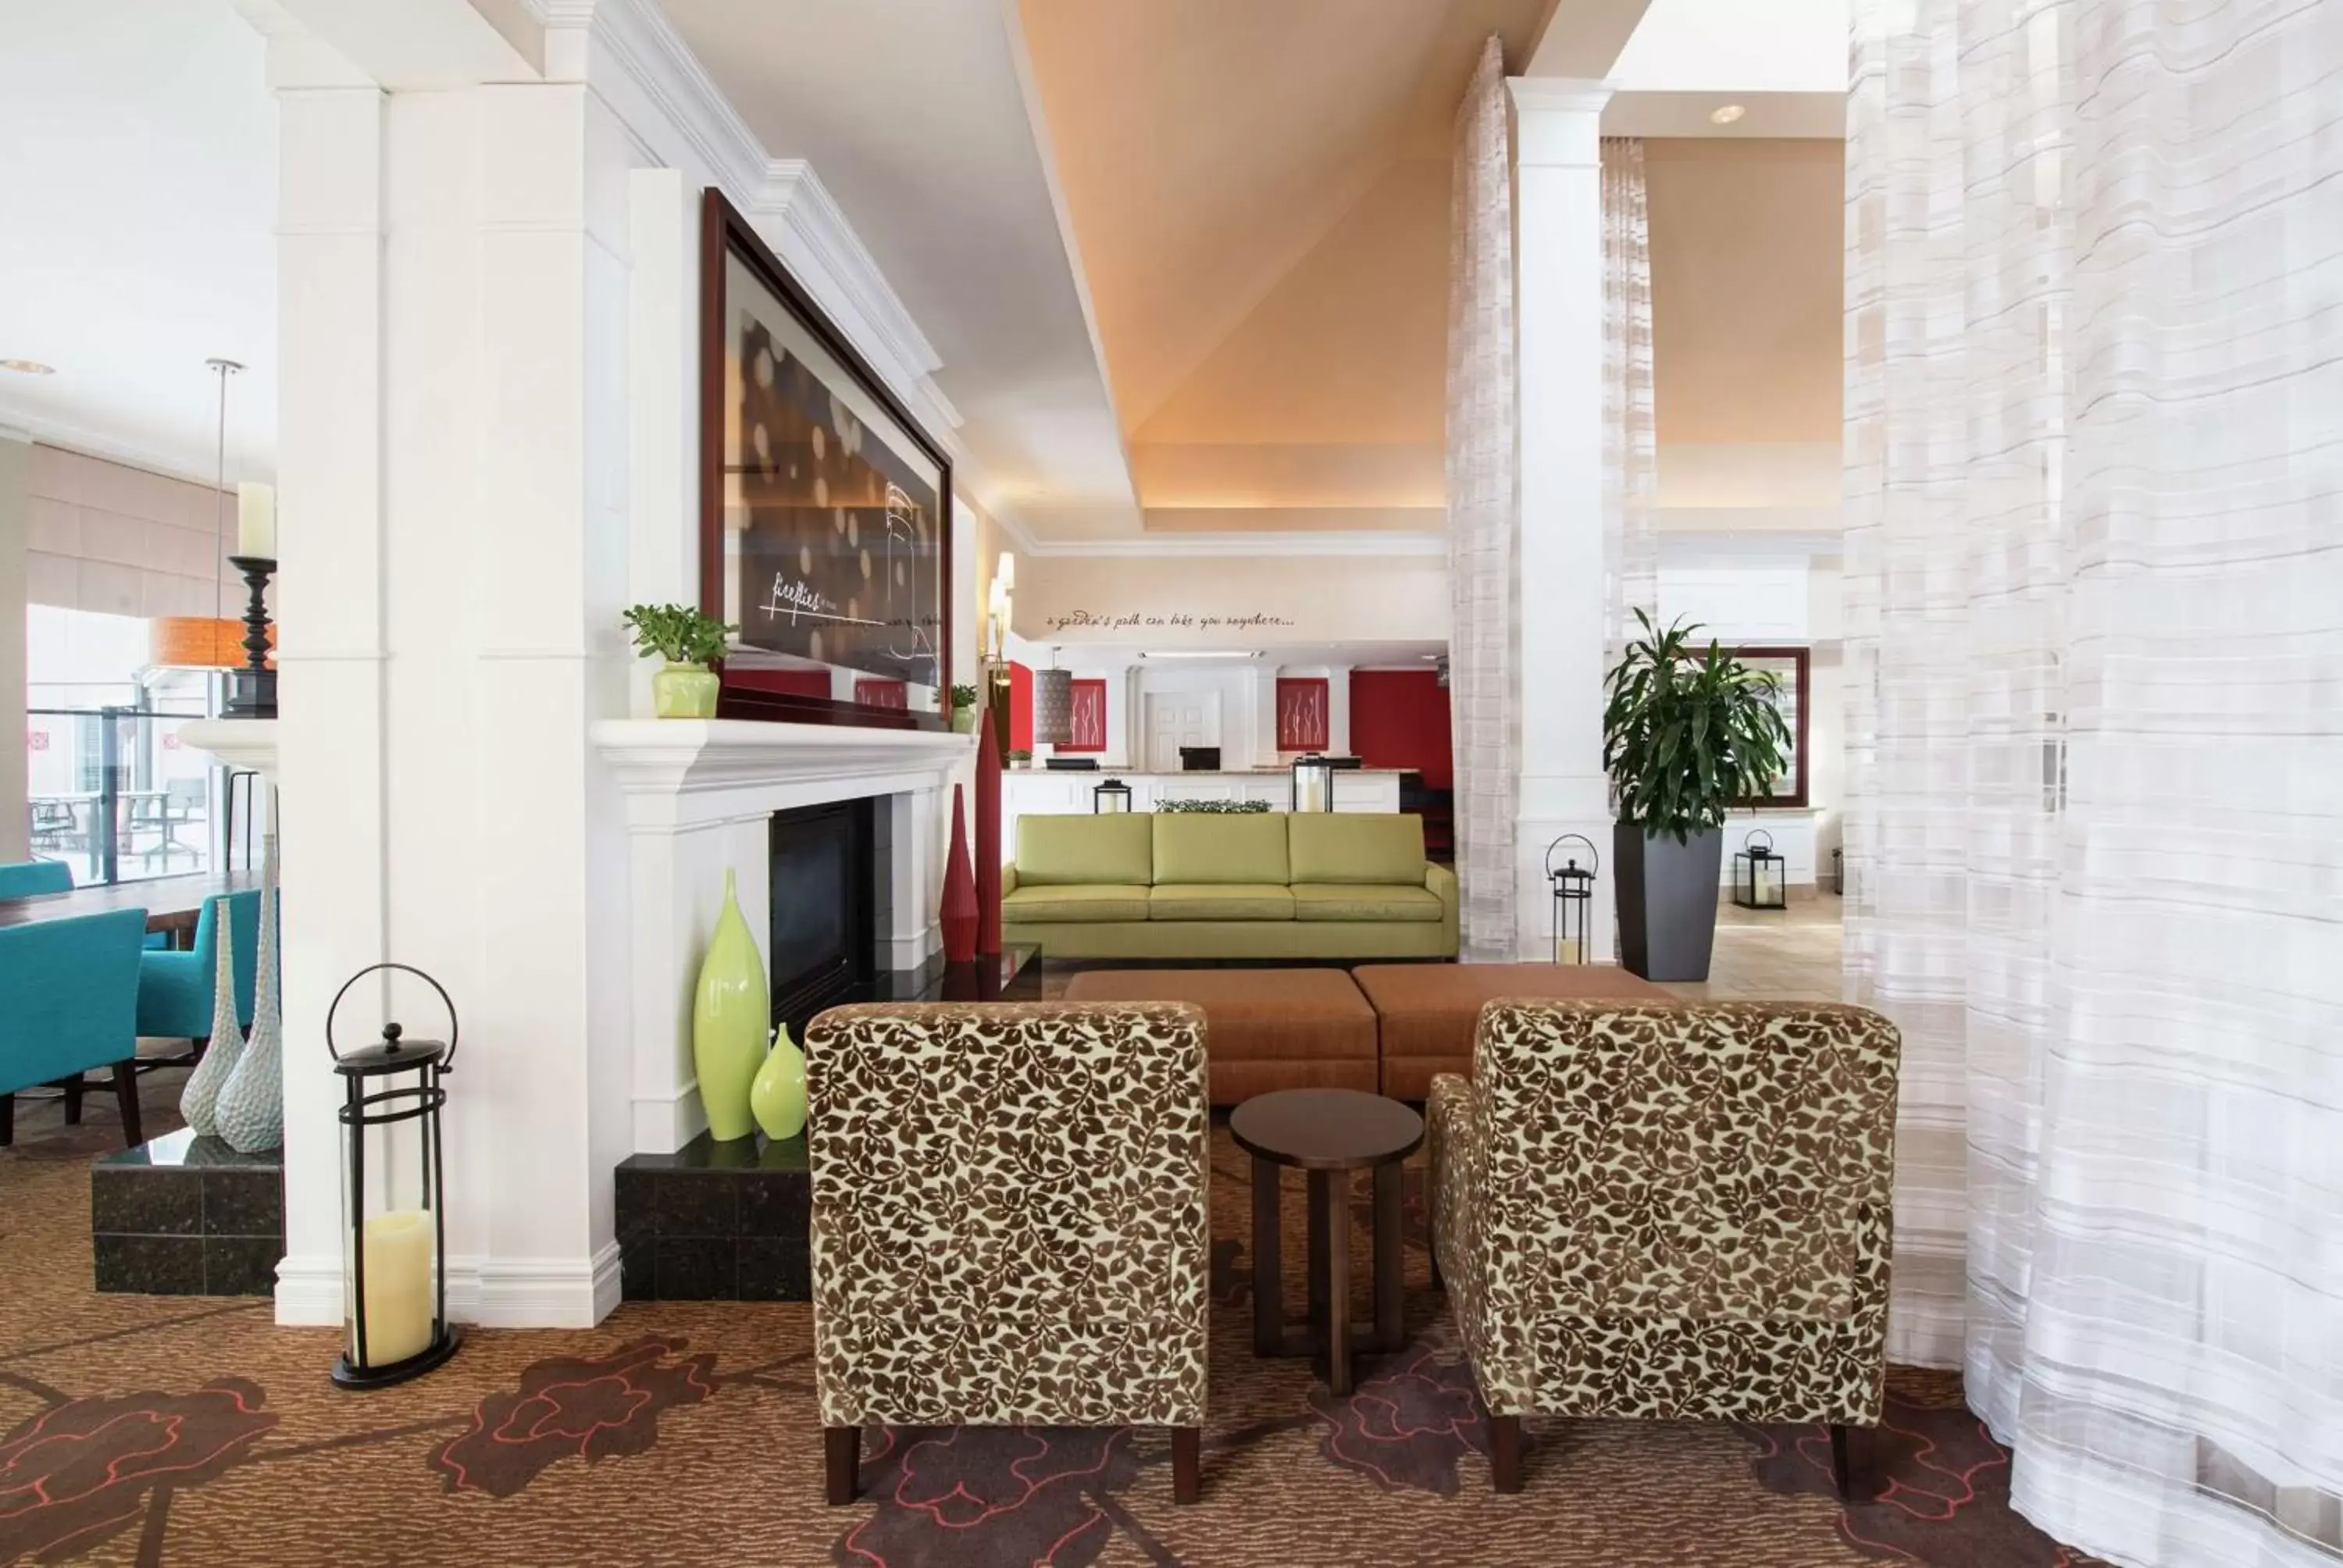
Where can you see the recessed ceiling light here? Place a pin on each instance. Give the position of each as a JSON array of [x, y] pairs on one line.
[[1728, 115], [27, 366]]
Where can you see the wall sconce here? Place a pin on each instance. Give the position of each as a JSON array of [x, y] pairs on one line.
[[1004, 582]]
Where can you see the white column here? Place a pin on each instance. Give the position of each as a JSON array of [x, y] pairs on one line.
[[1558, 324], [15, 465]]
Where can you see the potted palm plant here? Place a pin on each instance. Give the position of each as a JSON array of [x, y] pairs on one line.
[[689, 641], [1687, 732]]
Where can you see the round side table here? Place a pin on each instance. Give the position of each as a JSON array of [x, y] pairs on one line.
[[1329, 1133]]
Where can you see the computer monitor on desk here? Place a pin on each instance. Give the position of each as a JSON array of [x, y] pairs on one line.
[[1200, 759]]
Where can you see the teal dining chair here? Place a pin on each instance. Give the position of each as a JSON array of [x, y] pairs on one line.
[[24, 879], [69, 1002], [175, 988]]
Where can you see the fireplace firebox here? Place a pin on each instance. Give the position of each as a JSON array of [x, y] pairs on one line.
[[826, 914]]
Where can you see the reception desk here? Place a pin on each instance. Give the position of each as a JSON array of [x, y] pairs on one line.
[[1035, 790]]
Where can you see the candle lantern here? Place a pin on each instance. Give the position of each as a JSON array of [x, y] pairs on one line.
[[394, 1208], [1114, 795], [1838, 872], [1313, 784], [1757, 879], [1574, 896]]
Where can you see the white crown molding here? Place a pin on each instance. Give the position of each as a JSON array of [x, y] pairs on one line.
[[645, 46], [45, 432], [1411, 545]]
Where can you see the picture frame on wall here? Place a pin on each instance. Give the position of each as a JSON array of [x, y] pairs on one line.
[[1788, 665], [825, 510]]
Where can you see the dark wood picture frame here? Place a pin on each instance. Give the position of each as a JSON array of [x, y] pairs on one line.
[[724, 232], [1802, 660]]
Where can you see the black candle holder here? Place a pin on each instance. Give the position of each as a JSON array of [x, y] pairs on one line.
[[253, 692]]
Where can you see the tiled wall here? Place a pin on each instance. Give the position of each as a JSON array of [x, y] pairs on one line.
[[119, 540]]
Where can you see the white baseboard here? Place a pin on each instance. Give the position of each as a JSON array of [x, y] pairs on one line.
[[495, 1292]]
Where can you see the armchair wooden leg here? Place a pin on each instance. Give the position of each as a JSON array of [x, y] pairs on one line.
[[7, 1120], [1433, 1250], [1187, 1463], [72, 1085], [126, 1095], [842, 1456], [1505, 1452], [1851, 1462]]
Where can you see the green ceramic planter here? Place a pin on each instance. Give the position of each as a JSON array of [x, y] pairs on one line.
[[731, 1021], [685, 692], [779, 1095], [963, 722]]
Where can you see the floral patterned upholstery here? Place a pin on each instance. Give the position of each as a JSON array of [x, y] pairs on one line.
[[1010, 1215], [1677, 1212]]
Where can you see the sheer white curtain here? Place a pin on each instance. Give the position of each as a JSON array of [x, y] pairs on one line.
[[1483, 510], [1630, 440], [2095, 834]]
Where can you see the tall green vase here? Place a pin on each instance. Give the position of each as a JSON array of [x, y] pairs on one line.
[[778, 1097], [729, 1018]]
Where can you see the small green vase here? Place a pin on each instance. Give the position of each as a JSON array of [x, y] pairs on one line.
[[685, 692], [731, 1014], [778, 1097], [963, 722]]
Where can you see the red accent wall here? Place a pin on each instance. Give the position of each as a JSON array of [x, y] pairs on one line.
[[1303, 719], [1090, 717], [1021, 708], [796, 682], [1399, 718]]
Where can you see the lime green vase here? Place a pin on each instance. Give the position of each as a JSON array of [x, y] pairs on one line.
[[729, 1020], [778, 1097]]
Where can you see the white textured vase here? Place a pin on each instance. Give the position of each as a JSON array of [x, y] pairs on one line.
[[251, 1108], [199, 1100]]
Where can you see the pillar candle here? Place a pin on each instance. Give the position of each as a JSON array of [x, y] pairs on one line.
[[256, 522], [400, 1302]]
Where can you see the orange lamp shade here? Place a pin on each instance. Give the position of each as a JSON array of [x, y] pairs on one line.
[[198, 642]]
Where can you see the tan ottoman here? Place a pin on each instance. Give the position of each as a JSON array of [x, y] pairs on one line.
[[1426, 1011], [1264, 1029]]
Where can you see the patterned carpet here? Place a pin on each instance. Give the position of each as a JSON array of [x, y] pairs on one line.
[[152, 1429]]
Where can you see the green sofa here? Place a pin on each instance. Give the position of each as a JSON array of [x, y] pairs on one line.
[[1210, 885]]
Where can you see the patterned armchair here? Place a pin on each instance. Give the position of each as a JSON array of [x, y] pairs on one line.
[[1011, 1221], [1678, 1212]]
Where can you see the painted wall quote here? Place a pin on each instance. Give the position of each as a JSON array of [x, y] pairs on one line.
[[1092, 620]]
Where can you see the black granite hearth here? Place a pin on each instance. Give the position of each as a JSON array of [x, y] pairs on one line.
[[728, 1221], [181, 1215]]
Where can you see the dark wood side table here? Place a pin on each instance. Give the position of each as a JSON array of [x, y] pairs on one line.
[[1328, 1133]]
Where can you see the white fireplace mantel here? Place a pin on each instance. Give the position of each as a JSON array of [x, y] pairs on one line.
[[699, 795]]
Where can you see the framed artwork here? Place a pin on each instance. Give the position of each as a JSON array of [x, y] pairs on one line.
[[1788, 665], [824, 524], [1302, 720], [1088, 733]]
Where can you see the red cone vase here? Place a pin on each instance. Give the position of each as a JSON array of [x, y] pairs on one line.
[[988, 840], [959, 912]]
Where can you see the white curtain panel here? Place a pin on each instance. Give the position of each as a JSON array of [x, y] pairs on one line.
[[2095, 675], [1630, 438], [1483, 514]]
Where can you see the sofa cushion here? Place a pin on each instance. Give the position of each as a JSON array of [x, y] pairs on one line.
[[1055, 851], [1221, 902], [1358, 902], [1384, 846], [1219, 847], [1077, 901]]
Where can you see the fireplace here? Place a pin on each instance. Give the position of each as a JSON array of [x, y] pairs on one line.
[[826, 910]]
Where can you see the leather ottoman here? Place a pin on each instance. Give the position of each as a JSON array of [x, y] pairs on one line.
[[1427, 1011], [1264, 1029]]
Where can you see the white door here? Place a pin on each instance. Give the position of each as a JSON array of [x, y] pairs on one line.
[[1177, 718]]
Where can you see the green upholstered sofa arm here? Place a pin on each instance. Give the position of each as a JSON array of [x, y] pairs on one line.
[[1438, 879], [1009, 879]]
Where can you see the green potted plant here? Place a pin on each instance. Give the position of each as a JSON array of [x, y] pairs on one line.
[[1018, 757], [963, 708], [1687, 732], [688, 640]]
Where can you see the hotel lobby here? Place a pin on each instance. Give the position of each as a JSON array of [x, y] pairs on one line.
[[949, 782]]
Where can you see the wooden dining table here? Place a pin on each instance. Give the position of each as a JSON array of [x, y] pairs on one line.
[[172, 903]]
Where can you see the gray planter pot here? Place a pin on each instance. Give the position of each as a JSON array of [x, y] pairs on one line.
[[1667, 901]]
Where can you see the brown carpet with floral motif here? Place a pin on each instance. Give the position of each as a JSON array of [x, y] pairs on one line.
[[153, 1430]]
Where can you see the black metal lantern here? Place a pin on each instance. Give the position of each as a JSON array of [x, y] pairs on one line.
[[1114, 795], [1313, 784], [1838, 871], [394, 1208], [1758, 880], [1573, 898]]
